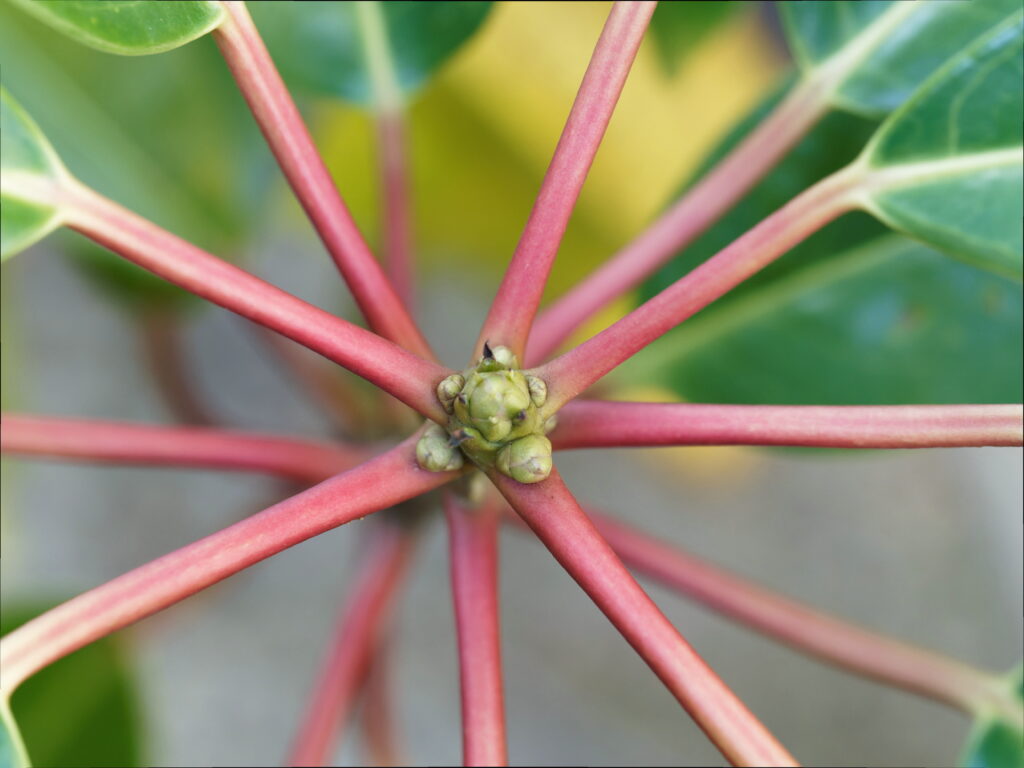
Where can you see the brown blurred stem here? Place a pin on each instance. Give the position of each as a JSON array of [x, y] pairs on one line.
[[166, 358]]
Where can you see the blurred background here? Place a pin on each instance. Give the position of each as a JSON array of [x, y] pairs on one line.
[[922, 545]]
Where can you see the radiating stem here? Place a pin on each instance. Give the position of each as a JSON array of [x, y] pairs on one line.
[[380, 742], [164, 350], [557, 519], [359, 627], [389, 115], [511, 314], [473, 543], [577, 369], [152, 445], [409, 378], [606, 424], [382, 482], [702, 205], [289, 140], [832, 640]]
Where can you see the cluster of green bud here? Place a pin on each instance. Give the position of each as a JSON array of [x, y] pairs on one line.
[[494, 419]]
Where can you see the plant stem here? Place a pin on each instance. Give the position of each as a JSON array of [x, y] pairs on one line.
[[357, 631], [409, 378], [557, 519], [577, 369], [389, 114], [473, 543], [164, 351], [382, 482], [807, 630], [700, 207], [379, 740], [289, 140], [518, 297], [149, 444], [604, 424]]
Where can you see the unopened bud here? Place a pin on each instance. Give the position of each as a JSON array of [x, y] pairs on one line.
[[435, 453], [538, 390], [527, 460], [449, 389]]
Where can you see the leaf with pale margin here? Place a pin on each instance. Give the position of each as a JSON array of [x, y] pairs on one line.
[[997, 742], [947, 167], [12, 747], [319, 48], [886, 323], [128, 27], [875, 54], [29, 169]]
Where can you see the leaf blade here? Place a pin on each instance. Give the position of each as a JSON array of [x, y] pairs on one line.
[[29, 172], [879, 52], [127, 27], [948, 167]]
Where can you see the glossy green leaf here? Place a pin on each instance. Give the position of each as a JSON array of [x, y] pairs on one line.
[[876, 54], [128, 27], [126, 141], [996, 742], [29, 173], [80, 711], [320, 46], [835, 141], [889, 322], [947, 167], [677, 28]]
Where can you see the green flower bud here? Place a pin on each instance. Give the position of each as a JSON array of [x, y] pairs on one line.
[[527, 460], [449, 389], [435, 453], [538, 390], [497, 404], [497, 359]]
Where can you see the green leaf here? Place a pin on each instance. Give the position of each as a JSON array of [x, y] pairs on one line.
[[835, 141], [12, 747], [677, 28], [876, 54], [126, 141], [319, 46], [996, 742], [947, 167], [889, 322], [29, 174], [128, 27], [80, 711]]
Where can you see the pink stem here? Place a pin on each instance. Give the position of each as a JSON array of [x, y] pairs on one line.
[[148, 444], [830, 639], [512, 312], [396, 219], [380, 743], [557, 519], [577, 369], [410, 378], [289, 140], [473, 542], [604, 424], [681, 224], [356, 634], [382, 482]]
